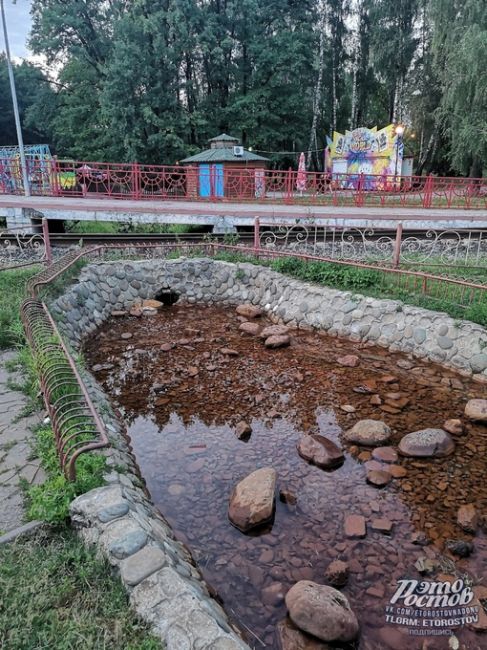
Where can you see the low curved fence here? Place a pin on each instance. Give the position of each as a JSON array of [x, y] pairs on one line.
[[75, 422]]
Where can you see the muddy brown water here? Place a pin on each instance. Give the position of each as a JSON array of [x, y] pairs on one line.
[[181, 407]]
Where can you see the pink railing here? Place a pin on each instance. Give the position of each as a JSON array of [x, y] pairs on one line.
[[162, 182]]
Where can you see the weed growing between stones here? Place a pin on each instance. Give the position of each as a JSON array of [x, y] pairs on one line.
[[56, 594]]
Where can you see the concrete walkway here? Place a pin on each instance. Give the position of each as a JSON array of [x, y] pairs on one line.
[[16, 461], [223, 214]]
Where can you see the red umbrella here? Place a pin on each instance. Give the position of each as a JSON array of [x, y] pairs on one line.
[[301, 178]]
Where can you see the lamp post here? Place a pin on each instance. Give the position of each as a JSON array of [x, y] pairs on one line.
[[20, 140], [399, 130]]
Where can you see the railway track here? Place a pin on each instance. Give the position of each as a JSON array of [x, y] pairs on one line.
[[70, 239]]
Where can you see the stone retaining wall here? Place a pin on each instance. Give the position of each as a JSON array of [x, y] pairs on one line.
[[389, 323], [165, 587]]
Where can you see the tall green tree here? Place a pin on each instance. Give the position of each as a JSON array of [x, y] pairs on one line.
[[460, 51], [32, 88]]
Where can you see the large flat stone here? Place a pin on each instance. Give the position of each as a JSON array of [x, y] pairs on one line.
[[141, 565]]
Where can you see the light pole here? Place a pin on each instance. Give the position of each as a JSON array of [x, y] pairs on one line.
[[399, 130], [20, 140]]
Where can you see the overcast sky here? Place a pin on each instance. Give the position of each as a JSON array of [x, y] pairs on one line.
[[18, 24]]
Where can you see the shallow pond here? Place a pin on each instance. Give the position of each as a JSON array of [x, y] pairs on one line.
[[181, 397]]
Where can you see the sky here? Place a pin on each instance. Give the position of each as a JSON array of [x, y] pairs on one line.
[[18, 24]]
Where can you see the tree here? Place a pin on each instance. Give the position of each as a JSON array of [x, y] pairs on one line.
[[460, 50], [32, 87]]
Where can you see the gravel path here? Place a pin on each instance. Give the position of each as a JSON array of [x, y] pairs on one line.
[[16, 461]]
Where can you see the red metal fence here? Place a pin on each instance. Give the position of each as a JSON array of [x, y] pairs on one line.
[[161, 182]]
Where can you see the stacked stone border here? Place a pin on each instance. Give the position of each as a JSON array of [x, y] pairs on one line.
[[165, 587]]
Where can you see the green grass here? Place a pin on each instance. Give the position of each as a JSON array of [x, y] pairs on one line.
[[12, 293], [56, 595], [110, 227]]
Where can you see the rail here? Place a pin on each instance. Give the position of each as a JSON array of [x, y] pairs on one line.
[[75, 422], [218, 183]]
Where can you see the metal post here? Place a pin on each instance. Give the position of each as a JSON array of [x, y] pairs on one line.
[[15, 105], [256, 233], [397, 247], [47, 241]]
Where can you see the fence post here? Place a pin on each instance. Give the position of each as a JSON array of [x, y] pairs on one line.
[[289, 183], [136, 180], [397, 247], [47, 241], [256, 233], [359, 195], [428, 192]]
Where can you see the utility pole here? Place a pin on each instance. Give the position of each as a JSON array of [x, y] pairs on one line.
[[20, 140]]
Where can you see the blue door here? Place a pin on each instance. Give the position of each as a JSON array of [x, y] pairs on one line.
[[211, 180]]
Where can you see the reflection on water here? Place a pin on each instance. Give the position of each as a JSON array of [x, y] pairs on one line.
[[181, 404]]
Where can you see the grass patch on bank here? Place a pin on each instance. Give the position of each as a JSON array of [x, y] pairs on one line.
[[55, 594], [12, 293], [115, 228], [50, 500]]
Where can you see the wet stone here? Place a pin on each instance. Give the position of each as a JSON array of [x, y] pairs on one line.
[[428, 443], [381, 525], [476, 410], [459, 547], [243, 430], [453, 426], [368, 433], [378, 478], [468, 518], [349, 361], [321, 611], [250, 328], [355, 526], [249, 311], [320, 451], [277, 341], [385, 454]]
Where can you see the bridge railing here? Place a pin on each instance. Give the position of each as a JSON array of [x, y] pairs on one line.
[[216, 183]]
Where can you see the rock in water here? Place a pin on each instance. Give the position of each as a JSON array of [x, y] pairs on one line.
[[252, 500], [476, 410], [453, 426], [467, 518], [378, 478], [368, 432], [459, 547], [250, 328], [277, 341], [321, 611], [427, 443], [152, 304], [290, 638], [243, 430], [249, 311], [337, 573], [349, 361], [274, 330], [320, 451]]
